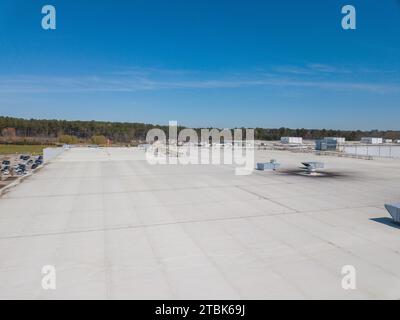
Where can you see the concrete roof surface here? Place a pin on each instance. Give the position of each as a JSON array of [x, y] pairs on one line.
[[116, 227]]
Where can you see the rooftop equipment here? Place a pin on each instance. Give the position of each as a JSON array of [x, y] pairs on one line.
[[311, 167], [272, 165], [394, 210]]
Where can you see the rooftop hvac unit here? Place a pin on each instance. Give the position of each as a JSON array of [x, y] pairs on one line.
[[272, 165]]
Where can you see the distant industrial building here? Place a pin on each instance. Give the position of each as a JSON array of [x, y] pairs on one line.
[[292, 140], [339, 140], [326, 144], [329, 143], [370, 140]]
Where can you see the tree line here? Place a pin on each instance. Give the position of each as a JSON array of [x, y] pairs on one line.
[[50, 131]]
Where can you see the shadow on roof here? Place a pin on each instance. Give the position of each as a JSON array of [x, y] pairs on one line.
[[387, 221]]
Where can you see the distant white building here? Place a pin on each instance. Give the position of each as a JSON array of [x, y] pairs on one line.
[[339, 140], [388, 141], [370, 140], [294, 140]]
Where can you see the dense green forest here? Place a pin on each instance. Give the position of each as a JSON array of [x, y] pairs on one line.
[[44, 131]]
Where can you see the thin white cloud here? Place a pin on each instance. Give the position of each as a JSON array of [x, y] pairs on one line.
[[138, 79], [312, 69], [316, 69], [325, 68]]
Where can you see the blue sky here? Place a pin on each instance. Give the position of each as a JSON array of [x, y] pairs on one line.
[[203, 63]]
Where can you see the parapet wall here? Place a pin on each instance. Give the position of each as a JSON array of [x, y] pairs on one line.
[[389, 151]]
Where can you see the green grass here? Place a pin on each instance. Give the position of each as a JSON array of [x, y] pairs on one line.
[[21, 149]]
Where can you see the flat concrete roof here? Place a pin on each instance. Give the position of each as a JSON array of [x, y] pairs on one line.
[[115, 226]]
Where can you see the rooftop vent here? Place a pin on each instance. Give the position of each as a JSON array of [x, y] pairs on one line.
[[311, 167], [394, 210]]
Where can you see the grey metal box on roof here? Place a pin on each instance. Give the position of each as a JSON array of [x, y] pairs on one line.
[[394, 210]]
